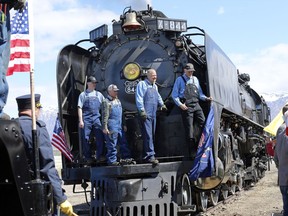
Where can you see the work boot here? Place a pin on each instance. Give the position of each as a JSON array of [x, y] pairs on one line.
[[89, 161], [153, 161], [101, 159], [127, 161], [116, 163]]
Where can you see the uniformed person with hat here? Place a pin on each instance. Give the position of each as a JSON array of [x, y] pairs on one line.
[[186, 94], [89, 105], [48, 171]]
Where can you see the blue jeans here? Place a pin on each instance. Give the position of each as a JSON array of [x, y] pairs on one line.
[[97, 132], [284, 192], [148, 131], [4, 58], [111, 143]]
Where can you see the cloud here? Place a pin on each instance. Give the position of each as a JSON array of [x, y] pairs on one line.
[[267, 68], [56, 25], [220, 10], [59, 23]]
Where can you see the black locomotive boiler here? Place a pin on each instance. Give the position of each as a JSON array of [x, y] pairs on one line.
[[148, 39]]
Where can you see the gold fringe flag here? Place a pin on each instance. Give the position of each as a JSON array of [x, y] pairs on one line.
[[275, 124]]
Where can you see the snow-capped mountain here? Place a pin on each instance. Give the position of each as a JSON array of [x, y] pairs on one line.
[[48, 115], [275, 102]]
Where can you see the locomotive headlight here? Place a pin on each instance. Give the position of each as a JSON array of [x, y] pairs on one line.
[[131, 71]]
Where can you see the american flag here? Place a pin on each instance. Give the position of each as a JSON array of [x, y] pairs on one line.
[[20, 43], [59, 141]]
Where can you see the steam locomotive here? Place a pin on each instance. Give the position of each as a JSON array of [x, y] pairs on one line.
[[148, 39]]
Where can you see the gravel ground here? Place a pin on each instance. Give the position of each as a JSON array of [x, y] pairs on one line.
[[262, 200], [78, 199]]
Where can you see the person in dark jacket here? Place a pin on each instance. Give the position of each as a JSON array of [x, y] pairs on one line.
[[48, 171], [5, 6], [281, 160]]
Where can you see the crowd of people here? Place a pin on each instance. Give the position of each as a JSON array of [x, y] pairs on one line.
[[109, 129], [104, 118], [108, 126], [186, 94]]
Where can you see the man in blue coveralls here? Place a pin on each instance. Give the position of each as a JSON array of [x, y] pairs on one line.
[[147, 101], [5, 6], [89, 105], [114, 128]]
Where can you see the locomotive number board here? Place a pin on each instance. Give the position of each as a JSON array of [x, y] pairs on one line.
[[172, 25]]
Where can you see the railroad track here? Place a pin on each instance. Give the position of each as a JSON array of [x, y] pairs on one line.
[[220, 203], [212, 206]]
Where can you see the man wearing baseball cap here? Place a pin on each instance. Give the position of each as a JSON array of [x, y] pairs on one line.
[[89, 105], [186, 94], [114, 128]]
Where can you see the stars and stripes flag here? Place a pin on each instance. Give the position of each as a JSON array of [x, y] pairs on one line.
[[203, 164], [59, 141], [20, 49]]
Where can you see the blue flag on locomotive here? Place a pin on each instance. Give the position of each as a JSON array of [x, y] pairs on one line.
[[204, 162]]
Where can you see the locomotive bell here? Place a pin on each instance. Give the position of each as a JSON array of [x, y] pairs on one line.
[[131, 22]]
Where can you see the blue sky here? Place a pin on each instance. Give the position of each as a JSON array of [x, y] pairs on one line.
[[252, 33]]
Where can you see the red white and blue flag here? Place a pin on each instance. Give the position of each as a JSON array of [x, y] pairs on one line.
[[203, 164], [20, 43], [59, 141]]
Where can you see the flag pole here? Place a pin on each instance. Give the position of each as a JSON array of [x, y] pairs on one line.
[[32, 91], [274, 124], [40, 188], [23, 34]]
